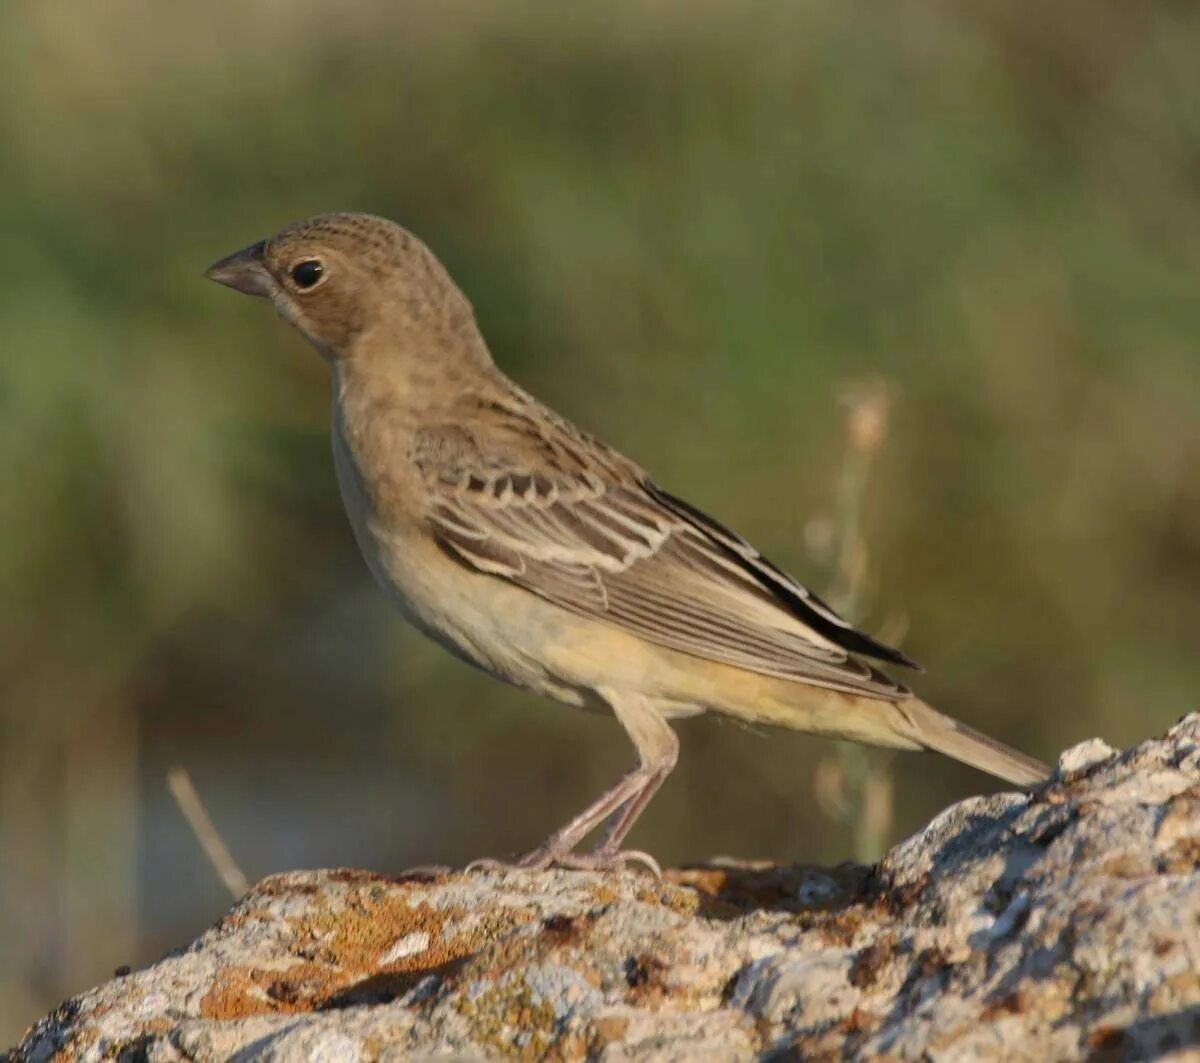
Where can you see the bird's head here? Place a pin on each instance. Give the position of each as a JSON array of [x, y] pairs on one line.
[[340, 277]]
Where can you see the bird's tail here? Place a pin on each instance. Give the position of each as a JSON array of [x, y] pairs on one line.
[[932, 730], [904, 724]]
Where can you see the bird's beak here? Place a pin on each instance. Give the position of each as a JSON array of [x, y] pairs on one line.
[[244, 271]]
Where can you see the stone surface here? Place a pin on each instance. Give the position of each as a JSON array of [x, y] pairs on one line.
[[1064, 924]]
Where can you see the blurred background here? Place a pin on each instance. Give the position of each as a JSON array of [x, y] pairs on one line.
[[906, 294]]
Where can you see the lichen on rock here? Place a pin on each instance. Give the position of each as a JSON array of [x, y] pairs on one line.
[[1054, 925]]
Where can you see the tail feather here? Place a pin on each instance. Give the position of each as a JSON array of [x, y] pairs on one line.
[[906, 723], [933, 730]]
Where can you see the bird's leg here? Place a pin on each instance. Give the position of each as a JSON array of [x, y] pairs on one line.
[[622, 823], [658, 749], [558, 846]]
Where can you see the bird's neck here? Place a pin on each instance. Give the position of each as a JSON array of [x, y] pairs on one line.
[[405, 373]]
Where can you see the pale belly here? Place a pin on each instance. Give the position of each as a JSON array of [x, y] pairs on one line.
[[496, 626], [502, 628]]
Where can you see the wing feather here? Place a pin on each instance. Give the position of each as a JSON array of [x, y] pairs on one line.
[[599, 539]]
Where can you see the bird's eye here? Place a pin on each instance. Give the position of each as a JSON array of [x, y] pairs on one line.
[[307, 273]]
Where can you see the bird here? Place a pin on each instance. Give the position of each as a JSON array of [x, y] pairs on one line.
[[536, 552]]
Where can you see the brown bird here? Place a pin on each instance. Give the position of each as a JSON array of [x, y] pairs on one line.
[[542, 556]]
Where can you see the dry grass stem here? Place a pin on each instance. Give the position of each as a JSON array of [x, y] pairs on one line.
[[179, 782]]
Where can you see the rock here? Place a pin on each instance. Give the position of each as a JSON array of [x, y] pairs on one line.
[[1084, 755], [1062, 924]]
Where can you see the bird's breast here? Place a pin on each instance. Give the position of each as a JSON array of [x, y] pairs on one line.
[[371, 475]]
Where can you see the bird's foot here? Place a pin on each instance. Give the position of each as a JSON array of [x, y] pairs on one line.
[[536, 860], [605, 859], [547, 856]]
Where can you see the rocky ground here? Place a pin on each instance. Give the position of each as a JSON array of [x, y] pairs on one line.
[[1063, 924]]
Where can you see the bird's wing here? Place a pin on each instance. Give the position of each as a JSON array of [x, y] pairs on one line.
[[561, 515]]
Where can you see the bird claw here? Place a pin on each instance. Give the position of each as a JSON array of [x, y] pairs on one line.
[[610, 860], [544, 857], [489, 863]]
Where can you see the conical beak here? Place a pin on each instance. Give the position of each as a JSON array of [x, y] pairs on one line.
[[244, 271]]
